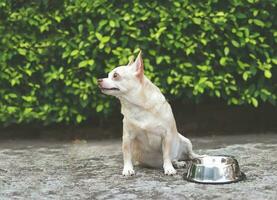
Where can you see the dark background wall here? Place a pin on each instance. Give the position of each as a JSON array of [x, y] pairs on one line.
[[215, 118]]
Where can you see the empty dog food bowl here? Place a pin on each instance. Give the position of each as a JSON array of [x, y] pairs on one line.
[[214, 170]]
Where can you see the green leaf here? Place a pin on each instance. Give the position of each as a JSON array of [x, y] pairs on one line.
[[12, 95], [241, 15], [90, 62], [27, 98], [99, 107], [105, 39], [98, 36], [196, 20], [83, 63], [245, 76], [259, 22], [202, 80], [267, 74], [234, 101], [222, 61], [210, 84], [13, 82], [22, 51], [159, 59], [27, 110], [254, 102], [169, 80], [235, 43], [274, 61], [226, 51], [79, 118], [217, 93], [101, 45], [28, 72], [74, 52], [112, 23]]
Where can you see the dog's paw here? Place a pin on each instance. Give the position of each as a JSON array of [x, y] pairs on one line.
[[127, 171], [169, 170], [179, 164]]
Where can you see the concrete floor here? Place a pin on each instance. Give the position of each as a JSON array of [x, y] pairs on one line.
[[33, 169]]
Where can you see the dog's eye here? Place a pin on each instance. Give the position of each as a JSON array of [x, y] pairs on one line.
[[115, 75]]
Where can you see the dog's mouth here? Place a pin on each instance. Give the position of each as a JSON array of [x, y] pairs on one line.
[[113, 88]]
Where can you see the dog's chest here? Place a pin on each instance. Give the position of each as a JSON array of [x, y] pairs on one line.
[[149, 135], [144, 124]]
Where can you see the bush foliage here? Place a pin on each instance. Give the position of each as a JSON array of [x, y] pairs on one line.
[[52, 52]]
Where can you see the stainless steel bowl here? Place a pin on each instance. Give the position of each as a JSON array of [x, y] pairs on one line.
[[214, 170]]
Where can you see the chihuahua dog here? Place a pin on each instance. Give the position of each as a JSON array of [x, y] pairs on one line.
[[150, 136]]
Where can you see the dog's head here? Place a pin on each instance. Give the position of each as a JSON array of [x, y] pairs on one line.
[[123, 79]]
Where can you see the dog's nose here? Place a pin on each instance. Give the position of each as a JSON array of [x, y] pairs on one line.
[[100, 80]]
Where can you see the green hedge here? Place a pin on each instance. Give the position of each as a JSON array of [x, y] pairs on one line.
[[51, 53]]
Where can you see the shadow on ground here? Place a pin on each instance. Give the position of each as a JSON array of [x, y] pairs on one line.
[[92, 170]]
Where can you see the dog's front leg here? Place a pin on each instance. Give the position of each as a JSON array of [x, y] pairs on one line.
[[128, 169], [167, 164]]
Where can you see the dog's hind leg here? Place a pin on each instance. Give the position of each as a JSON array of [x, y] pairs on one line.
[[186, 148]]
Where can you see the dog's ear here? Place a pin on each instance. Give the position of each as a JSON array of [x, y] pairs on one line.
[[139, 67], [131, 61]]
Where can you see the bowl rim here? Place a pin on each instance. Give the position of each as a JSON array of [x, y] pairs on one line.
[[218, 155], [200, 164], [242, 177]]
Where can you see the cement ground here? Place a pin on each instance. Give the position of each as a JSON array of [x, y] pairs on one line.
[[35, 169]]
